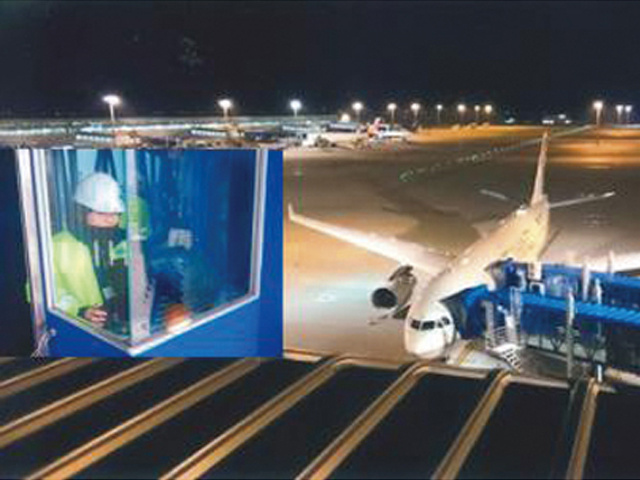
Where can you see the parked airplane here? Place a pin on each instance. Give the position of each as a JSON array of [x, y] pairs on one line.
[[429, 328], [384, 131]]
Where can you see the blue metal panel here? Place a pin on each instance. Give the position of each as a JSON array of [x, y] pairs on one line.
[[71, 341], [16, 338], [235, 334], [270, 334]]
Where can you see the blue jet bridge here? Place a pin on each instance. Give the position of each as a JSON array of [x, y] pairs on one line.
[[605, 310]]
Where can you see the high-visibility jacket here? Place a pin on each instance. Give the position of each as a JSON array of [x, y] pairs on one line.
[[75, 281]]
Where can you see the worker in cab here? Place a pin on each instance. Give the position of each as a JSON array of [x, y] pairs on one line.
[[90, 256]]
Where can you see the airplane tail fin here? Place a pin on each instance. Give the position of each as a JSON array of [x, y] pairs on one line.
[[538, 186]]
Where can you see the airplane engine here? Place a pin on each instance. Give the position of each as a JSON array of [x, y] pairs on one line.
[[398, 290]]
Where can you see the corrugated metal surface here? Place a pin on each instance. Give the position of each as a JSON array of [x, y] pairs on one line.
[[313, 417]]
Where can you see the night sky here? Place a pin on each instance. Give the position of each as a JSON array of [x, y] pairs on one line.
[[58, 58]]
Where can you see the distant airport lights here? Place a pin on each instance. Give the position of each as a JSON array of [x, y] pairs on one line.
[[392, 110], [113, 101], [415, 108], [225, 104], [488, 110], [598, 106], [623, 112], [439, 108], [295, 105], [461, 109], [357, 107]]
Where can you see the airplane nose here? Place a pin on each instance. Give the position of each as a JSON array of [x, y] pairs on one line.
[[410, 337], [414, 344], [411, 343], [421, 344]]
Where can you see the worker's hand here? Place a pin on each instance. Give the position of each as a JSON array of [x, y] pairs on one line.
[[96, 316]]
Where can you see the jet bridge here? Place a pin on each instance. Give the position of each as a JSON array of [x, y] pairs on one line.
[[588, 316]]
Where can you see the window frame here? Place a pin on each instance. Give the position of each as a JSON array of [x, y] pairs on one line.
[[39, 161]]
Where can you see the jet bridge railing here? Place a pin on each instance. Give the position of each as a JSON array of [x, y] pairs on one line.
[[605, 321]]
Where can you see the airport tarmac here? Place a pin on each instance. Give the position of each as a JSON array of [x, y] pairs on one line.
[[429, 191]]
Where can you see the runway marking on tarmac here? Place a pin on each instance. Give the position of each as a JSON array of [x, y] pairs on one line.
[[479, 157]]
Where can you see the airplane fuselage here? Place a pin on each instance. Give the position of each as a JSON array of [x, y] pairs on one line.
[[521, 236]]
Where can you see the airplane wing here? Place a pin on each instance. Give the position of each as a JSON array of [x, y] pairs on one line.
[[425, 259], [584, 199]]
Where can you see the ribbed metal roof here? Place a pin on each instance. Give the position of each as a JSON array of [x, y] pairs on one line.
[[305, 416]]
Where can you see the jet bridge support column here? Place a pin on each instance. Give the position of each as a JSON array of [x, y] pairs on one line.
[[571, 312], [515, 311], [490, 330], [585, 283]]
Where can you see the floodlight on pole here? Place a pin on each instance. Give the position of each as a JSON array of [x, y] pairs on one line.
[[295, 106], [598, 105], [392, 110], [415, 108], [619, 111], [113, 101], [627, 110], [225, 104], [461, 109], [476, 109], [488, 110], [357, 107], [439, 108]]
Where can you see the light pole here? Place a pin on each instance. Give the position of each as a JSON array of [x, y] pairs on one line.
[[627, 110], [619, 110], [415, 108], [461, 109], [295, 106], [225, 104], [476, 109], [392, 110], [113, 101], [488, 110], [598, 105], [357, 107], [439, 108]]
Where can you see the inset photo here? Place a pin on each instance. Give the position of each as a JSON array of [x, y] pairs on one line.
[[153, 252]]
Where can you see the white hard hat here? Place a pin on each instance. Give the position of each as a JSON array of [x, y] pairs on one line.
[[99, 192]]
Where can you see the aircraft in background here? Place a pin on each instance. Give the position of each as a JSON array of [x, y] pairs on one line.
[[383, 131], [429, 327]]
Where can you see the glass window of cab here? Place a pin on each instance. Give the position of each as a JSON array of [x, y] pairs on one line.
[[142, 244]]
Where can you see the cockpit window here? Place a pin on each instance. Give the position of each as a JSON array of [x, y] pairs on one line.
[[428, 325], [445, 320], [418, 325]]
